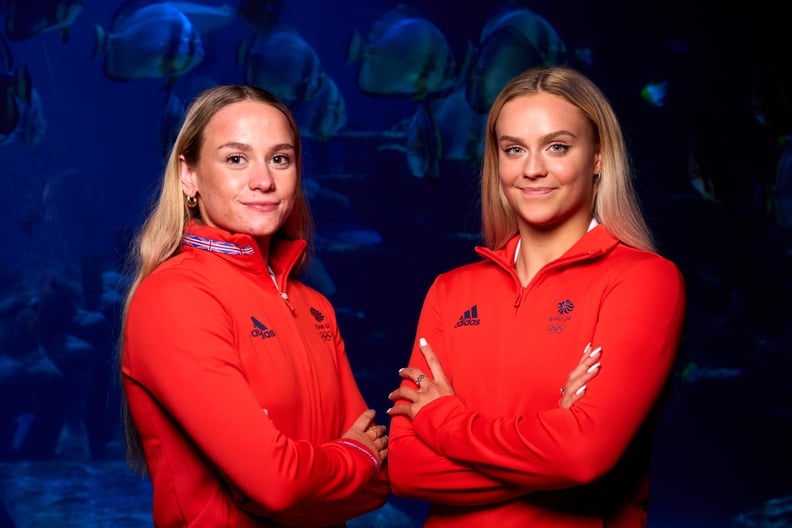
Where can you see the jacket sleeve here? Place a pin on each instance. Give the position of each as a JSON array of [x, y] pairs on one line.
[[367, 497], [420, 471], [371, 494], [186, 359], [639, 328]]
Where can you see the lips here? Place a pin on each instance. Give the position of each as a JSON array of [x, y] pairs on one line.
[[537, 191], [264, 207]]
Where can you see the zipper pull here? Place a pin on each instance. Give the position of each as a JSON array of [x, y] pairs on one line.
[[285, 297]]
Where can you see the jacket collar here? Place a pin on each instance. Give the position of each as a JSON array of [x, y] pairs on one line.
[[242, 249], [597, 241]]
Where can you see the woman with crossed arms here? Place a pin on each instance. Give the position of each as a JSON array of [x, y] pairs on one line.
[[488, 425]]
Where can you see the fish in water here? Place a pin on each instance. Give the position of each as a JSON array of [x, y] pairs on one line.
[[26, 18], [461, 128], [32, 126], [504, 54], [281, 62], [21, 114], [6, 57], [513, 39], [207, 18], [16, 94], [322, 115], [260, 15], [14, 84], [782, 187], [403, 55], [424, 144], [155, 40], [541, 34], [172, 118]]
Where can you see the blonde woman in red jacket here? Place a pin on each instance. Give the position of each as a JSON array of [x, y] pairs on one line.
[[240, 399], [478, 426]]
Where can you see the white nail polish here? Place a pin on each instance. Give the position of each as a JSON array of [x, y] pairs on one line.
[[422, 342], [580, 390], [586, 350], [596, 352], [593, 367]]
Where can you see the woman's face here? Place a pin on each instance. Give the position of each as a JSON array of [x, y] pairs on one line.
[[246, 175], [547, 160]]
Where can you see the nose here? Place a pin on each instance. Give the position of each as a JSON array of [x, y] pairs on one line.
[[534, 166], [261, 178]]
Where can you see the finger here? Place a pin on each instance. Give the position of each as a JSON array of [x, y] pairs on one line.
[[431, 359], [364, 420], [592, 357], [568, 399], [399, 409], [410, 373], [591, 371], [576, 382], [403, 393]]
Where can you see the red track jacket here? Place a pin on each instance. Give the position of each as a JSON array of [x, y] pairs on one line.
[[502, 452], [240, 396]]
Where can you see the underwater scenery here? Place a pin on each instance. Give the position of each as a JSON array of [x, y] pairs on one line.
[[391, 99]]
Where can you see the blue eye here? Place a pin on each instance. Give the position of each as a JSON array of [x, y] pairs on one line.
[[559, 147]]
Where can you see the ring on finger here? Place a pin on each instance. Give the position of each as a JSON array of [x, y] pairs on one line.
[[562, 390], [419, 379]]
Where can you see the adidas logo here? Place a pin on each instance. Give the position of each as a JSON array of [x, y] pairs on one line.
[[469, 317], [260, 330]]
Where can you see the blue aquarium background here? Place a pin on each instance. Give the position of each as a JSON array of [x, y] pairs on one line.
[[391, 101]]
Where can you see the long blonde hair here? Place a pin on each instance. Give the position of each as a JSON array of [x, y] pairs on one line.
[[615, 200], [161, 234]]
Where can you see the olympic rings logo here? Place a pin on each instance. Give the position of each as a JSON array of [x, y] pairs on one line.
[[555, 328]]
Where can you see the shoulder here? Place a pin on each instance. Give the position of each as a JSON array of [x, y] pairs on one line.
[[467, 277], [465, 271], [632, 263], [297, 286], [178, 281], [178, 272]]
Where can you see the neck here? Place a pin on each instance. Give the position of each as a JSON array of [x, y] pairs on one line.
[[538, 247], [264, 247]]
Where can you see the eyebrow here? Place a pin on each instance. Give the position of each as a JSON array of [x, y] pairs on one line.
[[246, 147], [546, 137]]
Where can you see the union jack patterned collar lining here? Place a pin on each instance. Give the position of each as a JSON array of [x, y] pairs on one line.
[[216, 246]]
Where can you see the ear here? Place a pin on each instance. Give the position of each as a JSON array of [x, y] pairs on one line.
[[597, 161], [187, 175]]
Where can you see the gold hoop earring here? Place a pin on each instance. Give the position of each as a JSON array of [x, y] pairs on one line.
[[192, 201]]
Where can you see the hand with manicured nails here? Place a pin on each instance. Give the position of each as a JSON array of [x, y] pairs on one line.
[[430, 387], [585, 371], [437, 386]]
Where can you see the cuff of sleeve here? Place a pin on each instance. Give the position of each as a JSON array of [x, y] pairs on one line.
[[363, 450], [431, 421]]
